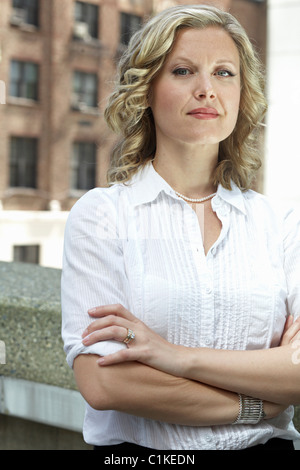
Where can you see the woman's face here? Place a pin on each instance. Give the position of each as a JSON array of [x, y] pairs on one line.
[[195, 98]]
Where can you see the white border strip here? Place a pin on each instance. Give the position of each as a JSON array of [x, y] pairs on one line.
[[42, 403]]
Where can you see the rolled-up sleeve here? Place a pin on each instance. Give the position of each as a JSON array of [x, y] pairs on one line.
[[93, 271], [292, 260]]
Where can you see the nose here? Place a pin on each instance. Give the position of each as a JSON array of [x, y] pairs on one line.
[[204, 88]]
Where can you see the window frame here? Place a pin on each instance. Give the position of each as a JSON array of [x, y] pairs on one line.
[[83, 172], [21, 83], [80, 95], [129, 24], [27, 253], [32, 8], [89, 14], [23, 163]]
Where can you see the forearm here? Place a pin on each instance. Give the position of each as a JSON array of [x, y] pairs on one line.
[[271, 374], [143, 391]]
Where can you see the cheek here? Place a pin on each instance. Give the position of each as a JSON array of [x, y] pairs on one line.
[[233, 100], [165, 99], [237, 98], [161, 103]]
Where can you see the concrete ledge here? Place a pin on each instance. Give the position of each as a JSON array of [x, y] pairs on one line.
[[30, 325], [42, 403]]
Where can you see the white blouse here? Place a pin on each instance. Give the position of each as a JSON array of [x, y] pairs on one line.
[[140, 245]]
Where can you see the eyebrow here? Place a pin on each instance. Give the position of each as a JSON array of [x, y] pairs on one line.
[[226, 61], [218, 62], [180, 59]]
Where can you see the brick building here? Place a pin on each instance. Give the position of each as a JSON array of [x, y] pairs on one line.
[[57, 61]]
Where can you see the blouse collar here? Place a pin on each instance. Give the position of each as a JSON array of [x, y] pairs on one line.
[[147, 184]]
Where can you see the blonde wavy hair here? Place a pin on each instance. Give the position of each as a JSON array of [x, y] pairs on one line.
[[129, 115]]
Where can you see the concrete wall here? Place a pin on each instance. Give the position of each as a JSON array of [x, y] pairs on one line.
[[21, 434], [40, 406]]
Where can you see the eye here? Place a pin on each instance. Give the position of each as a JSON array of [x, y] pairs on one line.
[[181, 71], [224, 73]]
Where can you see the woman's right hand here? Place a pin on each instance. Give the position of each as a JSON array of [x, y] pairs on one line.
[[112, 322], [290, 334], [291, 331]]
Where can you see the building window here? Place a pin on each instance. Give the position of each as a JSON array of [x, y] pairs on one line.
[[86, 14], [129, 25], [25, 11], [23, 162], [83, 166], [85, 90], [24, 80], [27, 254]]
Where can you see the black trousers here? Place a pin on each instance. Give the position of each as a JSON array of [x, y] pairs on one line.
[[272, 445]]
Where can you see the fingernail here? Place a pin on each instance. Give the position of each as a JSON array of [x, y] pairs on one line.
[[92, 310], [86, 340]]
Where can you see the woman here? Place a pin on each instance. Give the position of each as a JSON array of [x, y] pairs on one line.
[[191, 275]]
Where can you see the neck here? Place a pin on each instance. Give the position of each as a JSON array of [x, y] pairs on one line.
[[190, 174]]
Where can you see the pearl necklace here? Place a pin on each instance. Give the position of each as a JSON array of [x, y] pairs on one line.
[[188, 199]]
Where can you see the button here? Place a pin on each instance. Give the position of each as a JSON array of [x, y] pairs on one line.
[[213, 251], [208, 290]]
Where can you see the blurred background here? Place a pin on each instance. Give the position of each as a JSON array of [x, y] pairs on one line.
[[57, 65]]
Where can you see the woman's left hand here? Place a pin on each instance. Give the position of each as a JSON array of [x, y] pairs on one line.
[[291, 332], [112, 322]]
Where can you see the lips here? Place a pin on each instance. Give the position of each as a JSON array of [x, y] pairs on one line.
[[204, 113]]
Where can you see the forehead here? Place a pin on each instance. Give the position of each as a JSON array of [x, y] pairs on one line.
[[212, 41]]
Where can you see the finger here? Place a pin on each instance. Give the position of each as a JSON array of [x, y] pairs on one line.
[[294, 328], [295, 335], [291, 332], [124, 355], [116, 333], [288, 323], [104, 322], [284, 337], [296, 338], [112, 309]]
